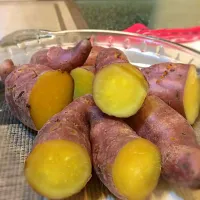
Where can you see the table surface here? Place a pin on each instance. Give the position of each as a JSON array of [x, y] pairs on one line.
[[54, 15], [120, 14]]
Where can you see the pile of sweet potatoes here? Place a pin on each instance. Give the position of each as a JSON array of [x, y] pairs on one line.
[[91, 107]]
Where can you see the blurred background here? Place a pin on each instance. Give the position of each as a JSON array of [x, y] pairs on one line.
[[119, 14], [97, 14]]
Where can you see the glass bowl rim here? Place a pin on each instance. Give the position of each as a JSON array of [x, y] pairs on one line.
[[98, 31]]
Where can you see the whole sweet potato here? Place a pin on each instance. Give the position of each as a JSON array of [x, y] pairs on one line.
[[34, 93], [64, 59], [176, 84], [124, 162], [162, 125], [59, 164]]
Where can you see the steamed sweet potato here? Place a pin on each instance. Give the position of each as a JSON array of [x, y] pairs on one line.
[[59, 164], [40, 57], [64, 59], [34, 93], [91, 60], [83, 80], [6, 68], [119, 89], [108, 56], [162, 125], [129, 166], [177, 85]]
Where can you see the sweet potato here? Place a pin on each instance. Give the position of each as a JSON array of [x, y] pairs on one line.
[[40, 57], [176, 84], [162, 125], [83, 80], [119, 89], [6, 68], [64, 59], [59, 164], [35, 93], [91, 60], [108, 56], [129, 166]]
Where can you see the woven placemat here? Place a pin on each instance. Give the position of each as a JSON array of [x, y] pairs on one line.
[[15, 143]]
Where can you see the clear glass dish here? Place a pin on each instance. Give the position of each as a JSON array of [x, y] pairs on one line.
[[141, 50], [16, 140]]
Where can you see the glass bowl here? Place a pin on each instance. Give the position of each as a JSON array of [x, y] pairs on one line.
[[141, 50], [16, 140]]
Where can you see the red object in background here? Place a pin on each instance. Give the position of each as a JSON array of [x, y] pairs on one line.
[[179, 35]]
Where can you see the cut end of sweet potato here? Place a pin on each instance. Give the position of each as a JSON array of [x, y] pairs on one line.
[[58, 169], [119, 89], [51, 93], [191, 98], [83, 80], [136, 169]]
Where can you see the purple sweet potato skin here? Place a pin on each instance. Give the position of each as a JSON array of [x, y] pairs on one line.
[[6, 68], [162, 125], [108, 56], [70, 124], [40, 57], [68, 59], [91, 60], [167, 81], [107, 135], [184, 164], [18, 87], [63, 59]]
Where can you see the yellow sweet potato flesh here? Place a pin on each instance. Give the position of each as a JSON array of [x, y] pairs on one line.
[[83, 80], [191, 98], [51, 93], [136, 169], [119, 89], [58, 168]]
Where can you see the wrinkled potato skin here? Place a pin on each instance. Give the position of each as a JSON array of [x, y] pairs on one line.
[[162, 125], [18, 87], [91, 60], [167, 81], [70, 124], [121, 135], [108, 56]]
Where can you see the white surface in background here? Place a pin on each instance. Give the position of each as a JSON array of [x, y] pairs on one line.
[[193, 45]]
